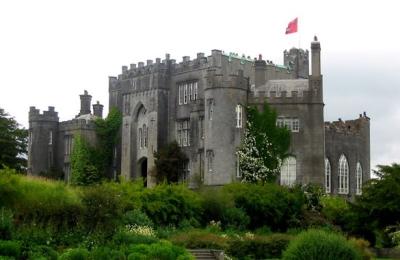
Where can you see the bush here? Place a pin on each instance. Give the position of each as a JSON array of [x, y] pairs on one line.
[[318, 244], [162, 250], [259, 247], [10, 248], [172, 204], [125, 238], [335, 208], [362, 246], [106, 253], [6, 224], [137, 217], [75, 254], [42, 252], [268, 204], [200, 239]]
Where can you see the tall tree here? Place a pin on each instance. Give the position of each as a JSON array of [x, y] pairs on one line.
[[13, 143], [264, 146]]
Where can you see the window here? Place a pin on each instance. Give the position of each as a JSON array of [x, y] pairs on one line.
[[358, 179], [68, 143], [288, 171], [185, 171], [343, 175], [185, 94], [145, 129], [210, 103], [180, 94], [210, 159], [190, 91], [201, 127], [183, 132], [195, 91], [291, 123], [238, 173], [327, 176], [50, 137], [127, 104], [140, 137], [239, 116]]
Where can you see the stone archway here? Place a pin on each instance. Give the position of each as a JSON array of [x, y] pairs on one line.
[[142, 166]]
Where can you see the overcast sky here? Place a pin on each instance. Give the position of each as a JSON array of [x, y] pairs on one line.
[[50, 51]]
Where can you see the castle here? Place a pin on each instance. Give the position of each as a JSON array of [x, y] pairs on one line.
[[200, 104]]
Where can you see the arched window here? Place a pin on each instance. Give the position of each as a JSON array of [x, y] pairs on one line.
[[343, 175], [140, 137], [239, 116], [144, 135], [327, 176], [288, 171], [358, 179]]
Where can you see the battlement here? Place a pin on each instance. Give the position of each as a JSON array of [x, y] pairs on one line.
[[349, 127], [77, 124], [218, 80], [284, 97], [49, 115]]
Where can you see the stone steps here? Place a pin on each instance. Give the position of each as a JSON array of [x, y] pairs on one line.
[[204, 254]]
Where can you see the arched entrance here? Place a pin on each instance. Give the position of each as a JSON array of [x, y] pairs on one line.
[[143, 170]]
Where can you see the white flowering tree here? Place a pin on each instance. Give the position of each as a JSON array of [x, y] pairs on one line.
[[264, 146]]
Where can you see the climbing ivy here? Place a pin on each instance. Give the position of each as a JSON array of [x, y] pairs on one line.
[[264, 146]]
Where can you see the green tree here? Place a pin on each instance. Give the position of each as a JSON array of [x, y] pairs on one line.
[[169, 162], [264, 146], [107, 131], [13, 143], [83, 169]]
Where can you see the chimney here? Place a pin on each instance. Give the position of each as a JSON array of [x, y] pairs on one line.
[[315, 57], [85, 103], [98, 109]]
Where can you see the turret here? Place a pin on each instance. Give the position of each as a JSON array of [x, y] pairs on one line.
[[98, 109], [43, 129], [297, 60], [315, 57], [85, 103]]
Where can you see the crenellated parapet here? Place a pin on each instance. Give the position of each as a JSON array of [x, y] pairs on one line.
[[350, 127], [74, 124], [219, 80], [47, 116]]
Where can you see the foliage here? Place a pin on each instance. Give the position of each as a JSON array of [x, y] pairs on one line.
[[6, 224], [169, 161], [200, 239], [264, 146], [13, 143], [161, 250], [335, 209], [268, 204], [314, 193], [10, 248], [171, 204], [137, 217], [127, 238], [318, 244], [362, 246], [107, 253], [380, 200], [259, 247], [75, 254], [107, 131], [42, 252], [83, 168]]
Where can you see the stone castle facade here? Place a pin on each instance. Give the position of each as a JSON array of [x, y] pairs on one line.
[[200, 104]]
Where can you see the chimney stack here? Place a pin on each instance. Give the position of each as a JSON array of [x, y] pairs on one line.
[[86, 99], [98, 109]]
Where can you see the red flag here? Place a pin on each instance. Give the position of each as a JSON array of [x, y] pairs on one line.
[[292, 27]]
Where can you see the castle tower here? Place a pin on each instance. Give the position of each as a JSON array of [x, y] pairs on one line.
[[225, 98], [297, 60], [42, 146], [85, 103], [315, 57]]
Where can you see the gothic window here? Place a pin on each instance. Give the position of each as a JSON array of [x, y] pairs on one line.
[[210, 159], [195, 91], [210, 108], [141, 137], [327, 176], [183, 132], [180, 94], [239, 116], [190, 86], [343, 175], [288, 171], [238, 173], [145, 135], [185, 94], [358, 179], [201, 127], [50, 137]]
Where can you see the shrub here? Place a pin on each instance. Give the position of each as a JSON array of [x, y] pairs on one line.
[[75, 254], [259, 247], [137, 217], [10, 248], [362, 246], [268, 204], [162, 250], [126, 238], [42, 252], [318, 244], [171, 204], [6, 224], [106, 253], [200, 239]]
